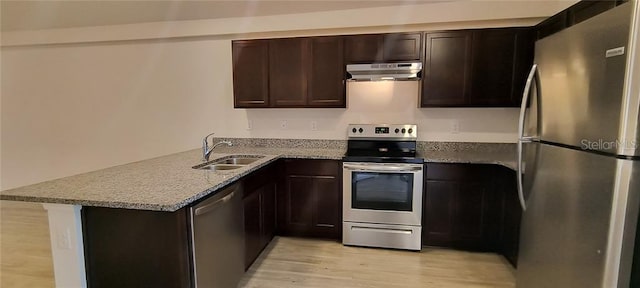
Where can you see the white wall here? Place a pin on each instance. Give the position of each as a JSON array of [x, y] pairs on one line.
[[377, 102], [72, 108]]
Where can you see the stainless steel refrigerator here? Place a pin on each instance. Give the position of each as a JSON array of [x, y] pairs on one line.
[[579, 156]]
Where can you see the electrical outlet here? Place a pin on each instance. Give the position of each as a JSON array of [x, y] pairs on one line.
[[314, 125], [455, 127], [283, 124]]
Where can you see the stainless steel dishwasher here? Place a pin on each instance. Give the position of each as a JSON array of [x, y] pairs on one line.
[[217, 237]]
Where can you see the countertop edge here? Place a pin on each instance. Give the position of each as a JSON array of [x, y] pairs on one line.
[[215, 188]]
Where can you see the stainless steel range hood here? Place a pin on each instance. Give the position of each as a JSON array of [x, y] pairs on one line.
[[384, 71]]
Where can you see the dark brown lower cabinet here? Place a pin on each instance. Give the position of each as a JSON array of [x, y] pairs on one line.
[[472, 207], [259, 211], [511, 216], [136, 248], [310, 202], [461, 207]]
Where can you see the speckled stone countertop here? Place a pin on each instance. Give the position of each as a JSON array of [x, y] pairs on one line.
[[165, 183], [477, 153], [168, 183]]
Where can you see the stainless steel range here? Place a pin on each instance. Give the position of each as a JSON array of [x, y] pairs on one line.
[[382, 186]]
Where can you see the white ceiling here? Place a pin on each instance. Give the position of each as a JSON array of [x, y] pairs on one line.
[[33, 15]]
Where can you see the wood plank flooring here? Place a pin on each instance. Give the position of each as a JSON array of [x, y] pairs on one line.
[[25, 251], [286, 262], [292, 262]]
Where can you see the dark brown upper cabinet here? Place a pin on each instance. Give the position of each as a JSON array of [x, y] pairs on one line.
[[501, 61], [402, 47], [299, 73], [573, 15], [376, 48], [586, 9], [250, 73], [447, 69], [326, 87], [552, 25], [364, 48], [288, 72], [476, 68]]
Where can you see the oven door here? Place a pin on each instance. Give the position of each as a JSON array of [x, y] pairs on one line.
[[382, 193]]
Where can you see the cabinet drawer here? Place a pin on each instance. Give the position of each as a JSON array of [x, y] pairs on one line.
[[312, 167]]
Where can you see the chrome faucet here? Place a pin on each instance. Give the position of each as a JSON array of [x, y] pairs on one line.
[[206, 150]]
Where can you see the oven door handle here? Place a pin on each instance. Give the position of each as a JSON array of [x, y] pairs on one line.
[[382, 168]]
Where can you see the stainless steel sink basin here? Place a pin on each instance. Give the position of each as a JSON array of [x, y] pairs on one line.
[[218, 167], [228, 162], [239, 160]]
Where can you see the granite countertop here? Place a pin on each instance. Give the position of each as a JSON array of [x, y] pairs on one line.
[[165, 183], [484, 157], [168, 183]]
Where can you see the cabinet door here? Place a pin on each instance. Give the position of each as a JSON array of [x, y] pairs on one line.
[[510, 234], [471, 226], [438, 212], [268, 215], [287, 72], [250, 73], [298, 204], [447, 69], [327, 220], [310, 203], [252, 227], [327, 73], [364, 48], [462, 207], [402, 47], [501, 59]]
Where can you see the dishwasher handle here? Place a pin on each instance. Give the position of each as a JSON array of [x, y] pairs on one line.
[[210, 207]]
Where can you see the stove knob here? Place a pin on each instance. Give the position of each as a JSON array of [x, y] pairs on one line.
[[397, 130], [404, 130], [410, 131], [360, 130], [354, 130]]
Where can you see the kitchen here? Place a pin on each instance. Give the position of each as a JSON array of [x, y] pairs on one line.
[[145, 113]]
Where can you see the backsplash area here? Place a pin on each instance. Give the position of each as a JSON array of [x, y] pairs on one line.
[[391, 102], [342, 144]]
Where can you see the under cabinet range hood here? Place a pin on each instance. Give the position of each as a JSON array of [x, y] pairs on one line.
[[384, 71]]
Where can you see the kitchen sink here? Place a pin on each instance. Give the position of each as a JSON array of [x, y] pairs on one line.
[[228, 162], [239, 160], [217, 167]]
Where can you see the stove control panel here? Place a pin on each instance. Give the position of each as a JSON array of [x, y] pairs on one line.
[[395, 131]]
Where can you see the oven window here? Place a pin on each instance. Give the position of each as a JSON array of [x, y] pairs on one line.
[[382, 191]]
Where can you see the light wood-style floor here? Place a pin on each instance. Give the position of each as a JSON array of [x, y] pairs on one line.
[[286, 262], [292, 262], [25, 253]]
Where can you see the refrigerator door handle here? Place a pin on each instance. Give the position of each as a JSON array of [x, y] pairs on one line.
[[521, 138], [525, 99]]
